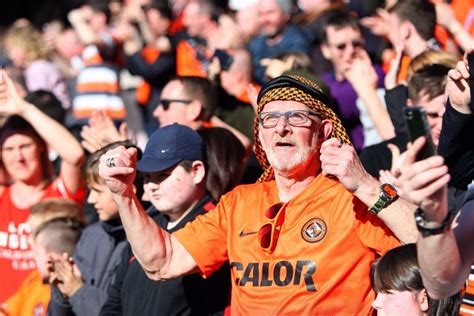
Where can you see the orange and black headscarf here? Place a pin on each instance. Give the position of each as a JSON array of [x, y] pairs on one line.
[[299, 89]]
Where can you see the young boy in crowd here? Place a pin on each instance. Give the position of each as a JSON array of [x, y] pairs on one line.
[[57, 226], [81, 282]]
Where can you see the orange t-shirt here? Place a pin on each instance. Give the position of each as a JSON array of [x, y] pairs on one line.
[[32, 298], [322, 259]]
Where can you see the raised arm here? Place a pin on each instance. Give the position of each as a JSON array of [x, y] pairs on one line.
[[445, 258], [456, 144], [363, 78], [56, 135], [446, 18], [160, 254], [343, 163]]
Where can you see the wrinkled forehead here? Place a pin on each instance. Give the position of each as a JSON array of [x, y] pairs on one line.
[[283, 106]]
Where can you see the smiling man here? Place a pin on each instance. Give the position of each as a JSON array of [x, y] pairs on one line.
[[298, 241]]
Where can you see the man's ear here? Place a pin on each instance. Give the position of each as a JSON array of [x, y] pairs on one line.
[[324, 132], [198, 171], [325, 50], [325, 129], [406, 30], [194, 110]]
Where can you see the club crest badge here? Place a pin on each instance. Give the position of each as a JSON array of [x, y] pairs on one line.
[[314, 230]]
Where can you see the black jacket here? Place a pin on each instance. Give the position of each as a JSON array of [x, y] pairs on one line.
[[135, 294]]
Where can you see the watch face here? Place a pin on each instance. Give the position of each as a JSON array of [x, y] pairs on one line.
[[389, 190]]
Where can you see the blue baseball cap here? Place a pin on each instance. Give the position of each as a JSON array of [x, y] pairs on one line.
[[170, 145]]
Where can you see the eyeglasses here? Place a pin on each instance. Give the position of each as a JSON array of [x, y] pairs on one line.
[[165, 103], [269, 232], [294, 118], [355, 43]]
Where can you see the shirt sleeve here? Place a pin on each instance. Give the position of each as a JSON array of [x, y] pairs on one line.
[[205, 239], [373, 233]]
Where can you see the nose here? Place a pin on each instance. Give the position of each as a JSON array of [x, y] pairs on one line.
[[152, 186], [282, 127], [92, 198], [17, 153], [350, 49], [158, 111]]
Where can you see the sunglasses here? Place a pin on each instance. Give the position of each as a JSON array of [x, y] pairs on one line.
[[269, 232], [165, 103], [355, 43]]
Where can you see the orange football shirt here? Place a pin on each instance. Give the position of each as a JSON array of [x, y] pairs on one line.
[[322, 259], [32, 298]]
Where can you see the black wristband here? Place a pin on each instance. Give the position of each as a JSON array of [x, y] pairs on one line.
[[436, 230]]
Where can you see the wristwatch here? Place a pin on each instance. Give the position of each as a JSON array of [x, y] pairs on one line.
[[387, 195], [432, 230]]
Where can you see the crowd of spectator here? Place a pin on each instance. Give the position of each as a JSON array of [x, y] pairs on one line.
[[200, 157]]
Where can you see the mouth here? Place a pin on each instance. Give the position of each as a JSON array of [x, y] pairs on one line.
[[282, 144], [21, 167]]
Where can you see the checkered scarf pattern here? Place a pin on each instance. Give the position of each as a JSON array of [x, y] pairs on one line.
[[294, 94]]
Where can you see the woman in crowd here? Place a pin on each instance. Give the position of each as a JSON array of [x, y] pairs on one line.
[[27, 173], [397, 280]]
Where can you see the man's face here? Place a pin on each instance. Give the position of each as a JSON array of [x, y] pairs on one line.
[[173, 112], [96, 20], [157, 23], [171, 191], [195, 21], [343, 45], [271, 18], [291, 149], [434, 109]]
